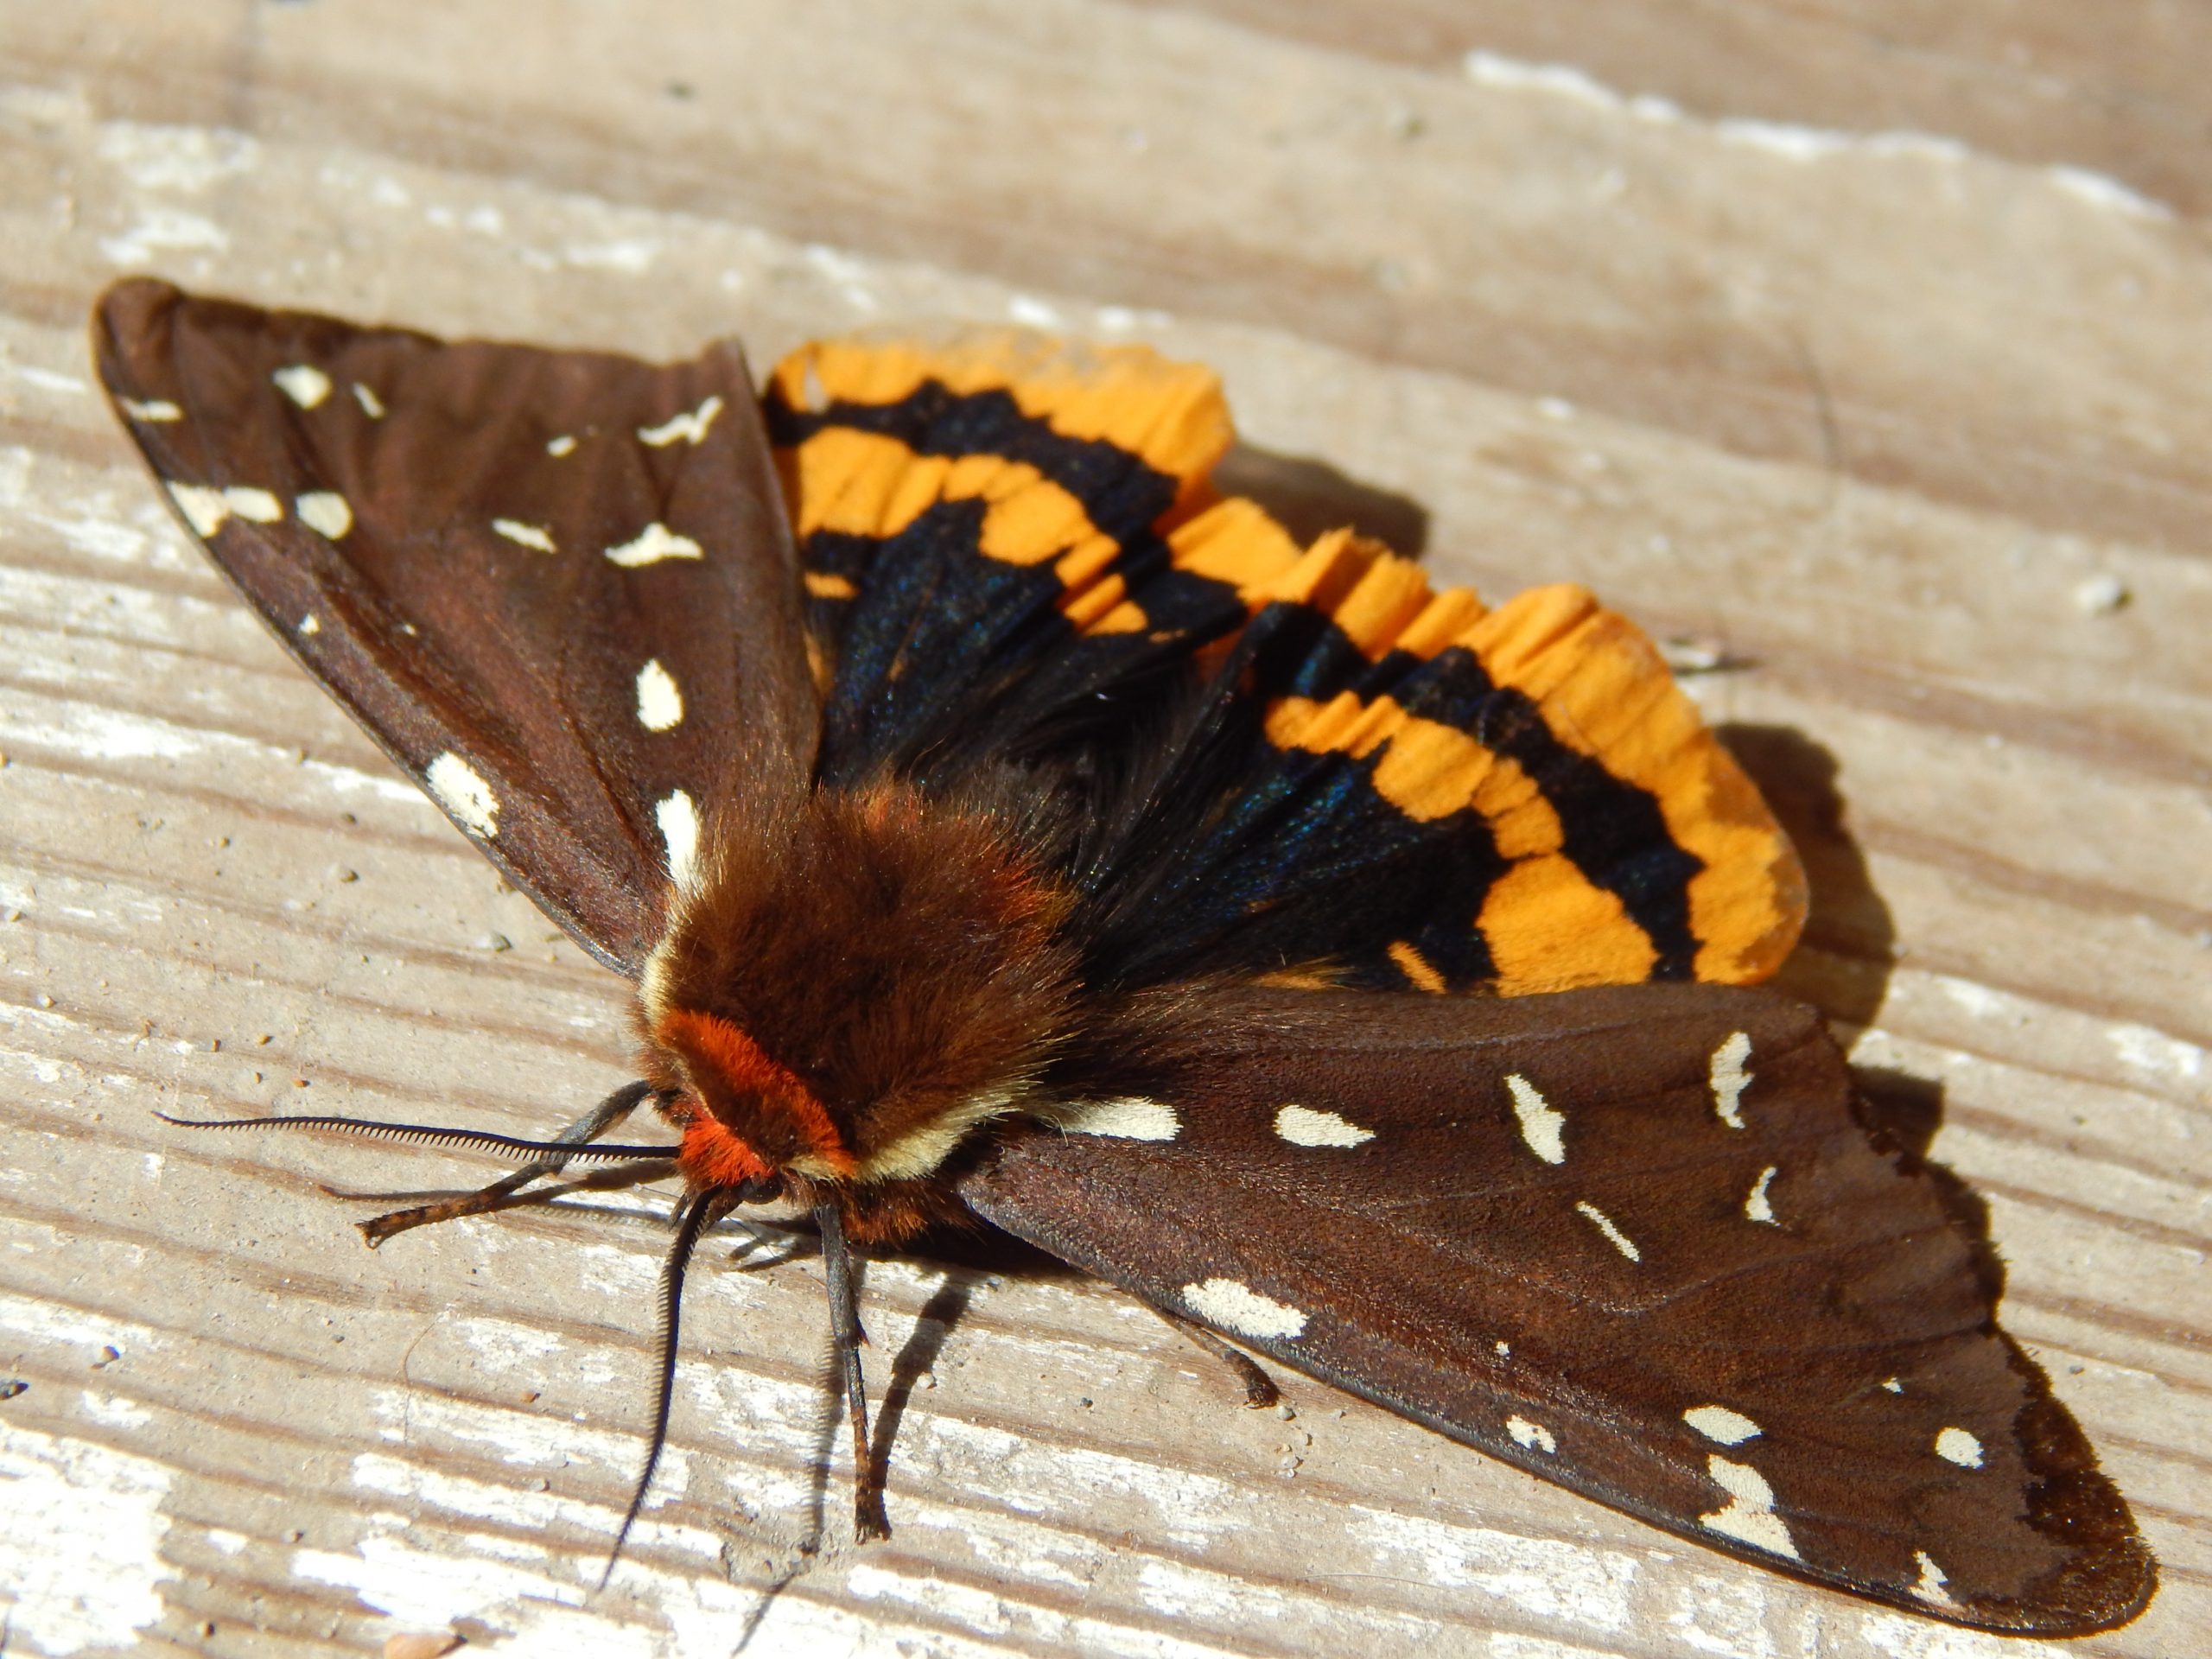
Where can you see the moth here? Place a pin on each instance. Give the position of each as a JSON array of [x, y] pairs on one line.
[[999, 825]]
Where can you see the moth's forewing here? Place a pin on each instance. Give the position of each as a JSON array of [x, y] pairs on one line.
[[1633, 1240], [557, 587]]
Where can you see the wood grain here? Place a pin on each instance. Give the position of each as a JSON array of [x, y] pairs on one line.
[[1874, 356]]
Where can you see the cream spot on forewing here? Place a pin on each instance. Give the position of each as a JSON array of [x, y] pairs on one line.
[[1956, 1445], [1756, 1206], [1604, 1224], [257, 506], [563, 445], [371, 406], [650, 545], [154, 410], [460, 789], [325, 512], [660, 702], [1231, 1305], [1729, 1077], [1302, 1126], [1541, 1127], [1719, 1423], [1893, 1384], [692, 427], [525, 535], [1535, 1436], [310, 624], [1750, 1514], [1932, 1581], [203, 508], [1504, 1348], [1126, 1117], [678, 818], [303, 383]]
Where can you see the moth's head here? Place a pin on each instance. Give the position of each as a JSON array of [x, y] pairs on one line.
[[844, 994]]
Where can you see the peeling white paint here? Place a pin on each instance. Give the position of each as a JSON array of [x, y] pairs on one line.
[[2142, 1048], [154, 156], [80, 1555], [1549, 1579], [163, 230]]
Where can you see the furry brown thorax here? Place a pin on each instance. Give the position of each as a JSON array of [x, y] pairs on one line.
[[850, 987]]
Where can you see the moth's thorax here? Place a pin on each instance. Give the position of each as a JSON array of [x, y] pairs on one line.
[[851, 987]]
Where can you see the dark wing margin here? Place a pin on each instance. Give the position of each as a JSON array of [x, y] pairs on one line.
[[1635, 1241], [557, 587]]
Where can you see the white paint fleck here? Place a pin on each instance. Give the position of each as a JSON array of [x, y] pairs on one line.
[[47, 379], [678, 817], [1535, 1436], [1126, 1117], [1604, 1224], [113, 1411], [523, 535], [222, 1538], [2102, 190], [1555, 409], [660, 701], [310, 624], [162, 229], [2101, 595], [1756, 1206], [1749, 1515], [1541, 1127], [325, 512], [1719, 1423], [690, 427], [1303, 1126], [1893, 1384], [563, 445], [156, 155], [2143, 1048], [1729, 1078], [81, 1554], [460, 789], [365, 396], [1032, 313], [1956, 1445], [155, 409], [633, 255], [1551, 1580], [1930, 1589], [303, 383], [1231, 1305], [650, 545]]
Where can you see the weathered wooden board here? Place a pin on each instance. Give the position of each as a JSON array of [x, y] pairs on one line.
[[1865, 344]]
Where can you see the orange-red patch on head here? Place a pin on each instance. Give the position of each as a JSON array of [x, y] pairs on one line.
[[713, 1156], [740, 1065]]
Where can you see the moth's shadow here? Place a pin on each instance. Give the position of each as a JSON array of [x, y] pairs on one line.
[[1308, 497]]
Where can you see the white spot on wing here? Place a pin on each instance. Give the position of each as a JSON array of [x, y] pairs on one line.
[[1956, 1445], [310, 624], [303, 383], [690, 428], [1534, 1435], [1604, 1224], [257, 506], [524, 535], [154, 410], [660, 703], [650, 545], [1729, 1077], [325, 512], [1127, 1117], [1756, 1206], [1504, 1349], [1893, 1385], [203, 508], [1932, 1581], [1302, 1126], [460, 789], [679, 829], [1750, 1514], [1541, 1127], [1719, 1423], [371, 406], [563, 445], [1231, 1305]]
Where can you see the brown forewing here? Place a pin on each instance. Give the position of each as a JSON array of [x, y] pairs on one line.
[[467, 603], [1787, 1297]]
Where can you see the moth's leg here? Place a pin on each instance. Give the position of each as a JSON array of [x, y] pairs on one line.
[[1259, 1386], [868, 1519], [588, 1128]]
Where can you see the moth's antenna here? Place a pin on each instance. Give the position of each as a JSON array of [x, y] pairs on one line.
[[694, 1216], [428, 1135]]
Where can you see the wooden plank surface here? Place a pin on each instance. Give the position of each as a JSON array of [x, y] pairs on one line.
[[1864, 342]]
